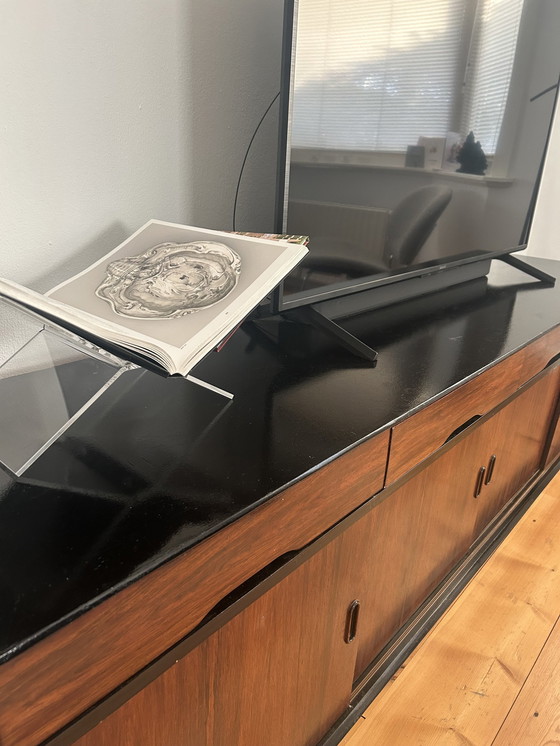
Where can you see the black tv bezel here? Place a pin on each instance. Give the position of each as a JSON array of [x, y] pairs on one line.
[[369, 282], [281, 302]]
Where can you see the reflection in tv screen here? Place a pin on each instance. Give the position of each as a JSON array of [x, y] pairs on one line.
[[412, 142]]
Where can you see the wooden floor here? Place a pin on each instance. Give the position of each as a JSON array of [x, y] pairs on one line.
[[489, 671]]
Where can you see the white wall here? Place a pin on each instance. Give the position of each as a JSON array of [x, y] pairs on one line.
[[544, 238], [116, 112]]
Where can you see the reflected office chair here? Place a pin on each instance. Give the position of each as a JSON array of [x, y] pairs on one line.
[[409, 227], [411, 223]]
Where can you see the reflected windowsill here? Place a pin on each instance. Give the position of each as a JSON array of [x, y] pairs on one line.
[[361, 160]]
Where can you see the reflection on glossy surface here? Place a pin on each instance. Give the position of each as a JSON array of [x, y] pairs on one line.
[[38, 400], [156, 464], [369, 82]]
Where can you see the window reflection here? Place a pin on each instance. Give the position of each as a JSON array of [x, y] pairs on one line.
[[377, 75], [373, 77]]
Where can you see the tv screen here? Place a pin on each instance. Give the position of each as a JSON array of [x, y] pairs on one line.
[[414, 134]]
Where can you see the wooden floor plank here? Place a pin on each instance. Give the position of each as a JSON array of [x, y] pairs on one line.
[[460, 683], [535, 716]]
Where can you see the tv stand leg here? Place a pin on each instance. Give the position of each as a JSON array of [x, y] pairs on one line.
[[514, 261], [311, 315]]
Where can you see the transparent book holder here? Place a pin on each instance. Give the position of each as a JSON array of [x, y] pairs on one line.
[[39, 399], [45, 384]]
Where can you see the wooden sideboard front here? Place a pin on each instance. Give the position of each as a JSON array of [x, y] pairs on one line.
[[360, 542], [283, 670]]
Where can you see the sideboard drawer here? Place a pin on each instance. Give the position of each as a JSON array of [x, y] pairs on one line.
[[420, 435], [539, 353]]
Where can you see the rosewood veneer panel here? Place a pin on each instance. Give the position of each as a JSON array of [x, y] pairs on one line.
[[417, 437], [61, 676], [279, 673]]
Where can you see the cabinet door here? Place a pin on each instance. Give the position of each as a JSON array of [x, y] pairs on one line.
[[279, 673], [517, 436], [554, 450], [409, 542], [554, 446]]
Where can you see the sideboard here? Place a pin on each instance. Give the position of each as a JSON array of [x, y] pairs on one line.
[[180, 571]]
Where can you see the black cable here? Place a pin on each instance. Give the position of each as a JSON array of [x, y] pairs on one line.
[[546, 90], [269, 107]]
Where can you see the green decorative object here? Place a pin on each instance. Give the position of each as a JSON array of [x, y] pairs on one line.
[[471, 157]]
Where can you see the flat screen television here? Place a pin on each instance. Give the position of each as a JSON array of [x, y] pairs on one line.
[[377, 167]]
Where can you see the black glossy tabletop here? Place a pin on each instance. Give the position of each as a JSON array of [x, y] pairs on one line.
[[156, 465]]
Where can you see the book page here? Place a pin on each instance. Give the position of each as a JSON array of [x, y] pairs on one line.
[[143, 283]]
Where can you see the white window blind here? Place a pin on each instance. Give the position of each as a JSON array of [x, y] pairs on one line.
[[489, 69], [377, 74]]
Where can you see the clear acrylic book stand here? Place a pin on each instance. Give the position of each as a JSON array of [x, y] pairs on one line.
[[40, 397]]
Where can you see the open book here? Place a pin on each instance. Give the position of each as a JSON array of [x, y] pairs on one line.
[[167, 295]]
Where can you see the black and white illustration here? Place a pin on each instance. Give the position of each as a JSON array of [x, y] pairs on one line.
[[171, 280], [169, 293]]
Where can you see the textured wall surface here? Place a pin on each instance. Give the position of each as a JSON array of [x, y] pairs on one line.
[[117, 112]]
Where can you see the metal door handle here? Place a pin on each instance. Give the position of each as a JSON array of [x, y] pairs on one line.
[[491, 465], [479, 481], [351, 621]]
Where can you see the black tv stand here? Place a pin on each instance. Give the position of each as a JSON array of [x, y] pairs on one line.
[[322, 313], [311, 315], [514, 261]]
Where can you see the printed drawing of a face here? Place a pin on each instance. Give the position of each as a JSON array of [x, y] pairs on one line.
[[171, 280]]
